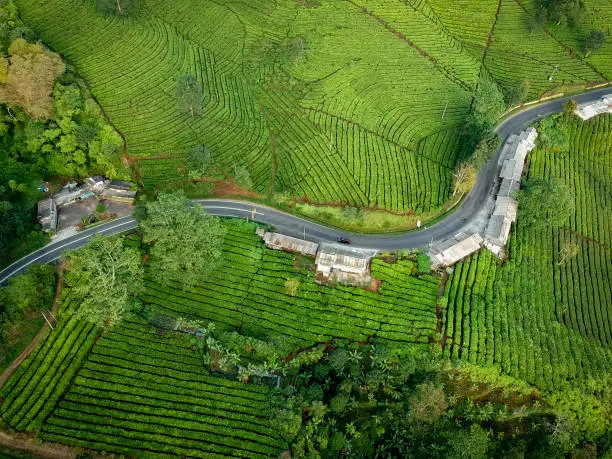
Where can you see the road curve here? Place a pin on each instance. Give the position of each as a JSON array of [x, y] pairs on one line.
[[299, 227]]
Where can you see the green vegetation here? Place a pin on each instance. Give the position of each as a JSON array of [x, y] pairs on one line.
[[111, 277], [50, 127], [291, 98], [32, 392], [21, 303], [248, 292], [544, 316], [186, 242]]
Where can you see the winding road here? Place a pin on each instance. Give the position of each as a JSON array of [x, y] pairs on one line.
[[298, 227]]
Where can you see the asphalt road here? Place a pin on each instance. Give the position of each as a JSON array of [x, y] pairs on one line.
[[298, 227]]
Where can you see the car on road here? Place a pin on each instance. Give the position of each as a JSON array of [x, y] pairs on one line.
[[343, 240]]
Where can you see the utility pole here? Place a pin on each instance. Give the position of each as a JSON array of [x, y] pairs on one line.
[[553, 73]]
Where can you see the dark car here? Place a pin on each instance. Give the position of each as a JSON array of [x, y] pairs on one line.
[[344, 240]]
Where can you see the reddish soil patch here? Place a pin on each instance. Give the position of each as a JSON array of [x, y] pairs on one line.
[[374, 285], [229, 188]]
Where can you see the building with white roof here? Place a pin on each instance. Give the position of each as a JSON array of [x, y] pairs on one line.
[[598, 107]]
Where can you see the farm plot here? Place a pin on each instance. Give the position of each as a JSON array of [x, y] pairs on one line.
[[511, 58], [140, 393], [31, 393], [545, 317], [248, 293]]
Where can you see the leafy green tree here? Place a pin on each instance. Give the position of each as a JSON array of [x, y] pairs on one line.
[[199, 161], [117, 7], [189, 95], [186, 242], [516, 94], [472, 443], [488, 106], [544, 203], [111, 276], [570, 11], [593, 41]]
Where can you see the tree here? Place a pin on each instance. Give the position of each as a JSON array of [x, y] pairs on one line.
[[558, 11], [117, 7], [428, 403], [111, 275], [593, 41], [189, 95], [199, 161], [570, 250], [544, 202], [464, 179], [186, 242], [423, 263], [488, 106], [570, 106], [472, 443], [485, 149], [516, 94]]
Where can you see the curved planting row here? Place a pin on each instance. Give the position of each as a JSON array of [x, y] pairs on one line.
[[248, 292], [32, 392], [141, 391], [511, 58], [544, 316]]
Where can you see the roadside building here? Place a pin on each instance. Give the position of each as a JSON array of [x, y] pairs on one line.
[[47, 215], [449, 252], [96, 184], [598, 107], [279, 241], [333, 257], [119, 190]]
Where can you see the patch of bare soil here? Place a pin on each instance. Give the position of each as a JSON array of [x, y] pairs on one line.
[[30, 445], [229, 188]]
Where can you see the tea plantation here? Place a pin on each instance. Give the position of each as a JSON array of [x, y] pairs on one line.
[[542, 316], [358, 102]]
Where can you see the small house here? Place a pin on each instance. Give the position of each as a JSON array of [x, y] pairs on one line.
[[119, 190], [455, 249], [333, 257], [279, 241]]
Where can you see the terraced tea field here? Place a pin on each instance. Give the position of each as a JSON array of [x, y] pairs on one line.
[[130, 390], [356, 102], [248, 293], [542, 317]]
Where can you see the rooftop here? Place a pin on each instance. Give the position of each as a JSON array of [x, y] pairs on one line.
[[291, 244]]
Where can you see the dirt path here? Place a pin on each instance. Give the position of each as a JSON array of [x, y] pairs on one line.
[[38, 450], [8, 372]]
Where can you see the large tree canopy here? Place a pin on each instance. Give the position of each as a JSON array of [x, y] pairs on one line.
[[186, 241], [558, 11], [544, 202], [112, 274], [189, 95]]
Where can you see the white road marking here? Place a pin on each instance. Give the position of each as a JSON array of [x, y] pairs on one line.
[[55, 249], [233, 208]]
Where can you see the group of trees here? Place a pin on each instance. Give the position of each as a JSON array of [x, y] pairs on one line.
[[570, 12], [183, 241], [377, 401]]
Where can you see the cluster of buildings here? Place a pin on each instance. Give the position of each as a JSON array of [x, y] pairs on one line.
[[71, 192], [334, 262], [504, 212], [591, 109]]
